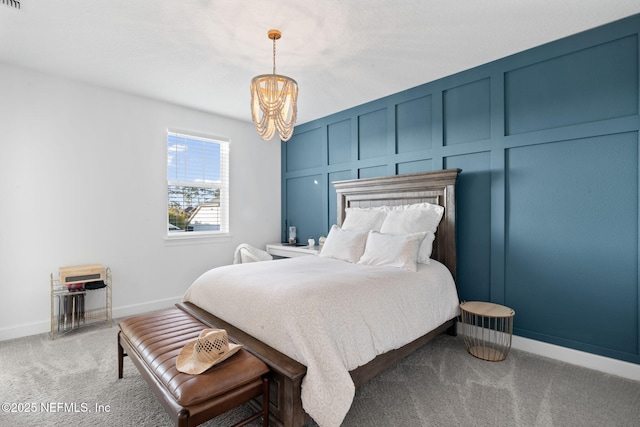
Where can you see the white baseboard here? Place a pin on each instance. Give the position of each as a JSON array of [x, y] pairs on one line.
[[134, 309], [575, 357], [41, 327], [24, 330]]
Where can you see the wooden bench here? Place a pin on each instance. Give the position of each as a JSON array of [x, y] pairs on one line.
[[154, 340]]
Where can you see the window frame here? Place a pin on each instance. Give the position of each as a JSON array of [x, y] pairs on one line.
[[223, 186]]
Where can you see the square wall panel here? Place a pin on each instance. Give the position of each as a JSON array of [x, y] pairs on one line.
[[473, 224], [372, 134], [415, 166], [340, 142], [372, 171], [571, 244], [304, 206], [304, 150], [589, 85], [413, 125], [333, 197], [467, 112]]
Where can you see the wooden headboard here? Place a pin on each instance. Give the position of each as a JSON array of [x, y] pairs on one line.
[[437, 187]]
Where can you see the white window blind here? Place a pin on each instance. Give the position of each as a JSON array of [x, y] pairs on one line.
[[197, 184]]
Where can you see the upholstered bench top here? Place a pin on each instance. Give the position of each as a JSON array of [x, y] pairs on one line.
[[158, 337]]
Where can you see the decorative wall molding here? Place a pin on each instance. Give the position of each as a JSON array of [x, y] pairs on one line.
[[548, 142]]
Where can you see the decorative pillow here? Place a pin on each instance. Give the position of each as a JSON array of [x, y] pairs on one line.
[[393, 250], [416, 218], [364, 219], [345, 245]]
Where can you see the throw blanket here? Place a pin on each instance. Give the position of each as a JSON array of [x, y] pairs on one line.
[[247, 253], [332, 316]]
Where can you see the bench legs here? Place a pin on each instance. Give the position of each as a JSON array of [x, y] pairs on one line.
[[121, 355], [265, 406], [265, 401]]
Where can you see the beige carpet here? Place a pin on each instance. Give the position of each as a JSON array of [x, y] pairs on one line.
[[72, 381]]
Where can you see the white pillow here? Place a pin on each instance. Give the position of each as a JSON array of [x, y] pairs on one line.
[[416, 218], [393, 250], [364, 219], [345, 245]]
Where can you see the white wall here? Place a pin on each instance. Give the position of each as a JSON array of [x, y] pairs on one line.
[[83, 180]]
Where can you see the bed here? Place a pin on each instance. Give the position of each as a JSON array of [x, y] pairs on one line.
[[321, 348]]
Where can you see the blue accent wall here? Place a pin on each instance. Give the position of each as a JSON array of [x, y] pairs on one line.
[[547, 219]]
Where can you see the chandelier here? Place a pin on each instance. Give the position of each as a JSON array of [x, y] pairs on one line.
[[273, 101]]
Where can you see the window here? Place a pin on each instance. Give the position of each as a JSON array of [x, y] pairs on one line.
[[197, 184]]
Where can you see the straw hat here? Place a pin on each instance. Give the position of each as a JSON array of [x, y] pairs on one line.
[[211, 347]]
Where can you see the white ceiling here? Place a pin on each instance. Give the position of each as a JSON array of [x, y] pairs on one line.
[[203, 53]]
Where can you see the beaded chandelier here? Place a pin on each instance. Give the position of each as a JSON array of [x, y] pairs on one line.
[[273, 101]]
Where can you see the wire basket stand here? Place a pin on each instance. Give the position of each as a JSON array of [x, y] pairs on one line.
[[487, 329]]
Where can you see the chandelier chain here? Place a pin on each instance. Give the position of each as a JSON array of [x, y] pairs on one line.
[[274, 55]]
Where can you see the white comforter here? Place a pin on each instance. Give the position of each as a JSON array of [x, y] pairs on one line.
[[332, 316]]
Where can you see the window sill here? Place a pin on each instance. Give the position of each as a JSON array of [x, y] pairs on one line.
[[196, 238]]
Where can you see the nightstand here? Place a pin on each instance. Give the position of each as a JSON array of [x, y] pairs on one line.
[[487, 329], [284, 250]]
